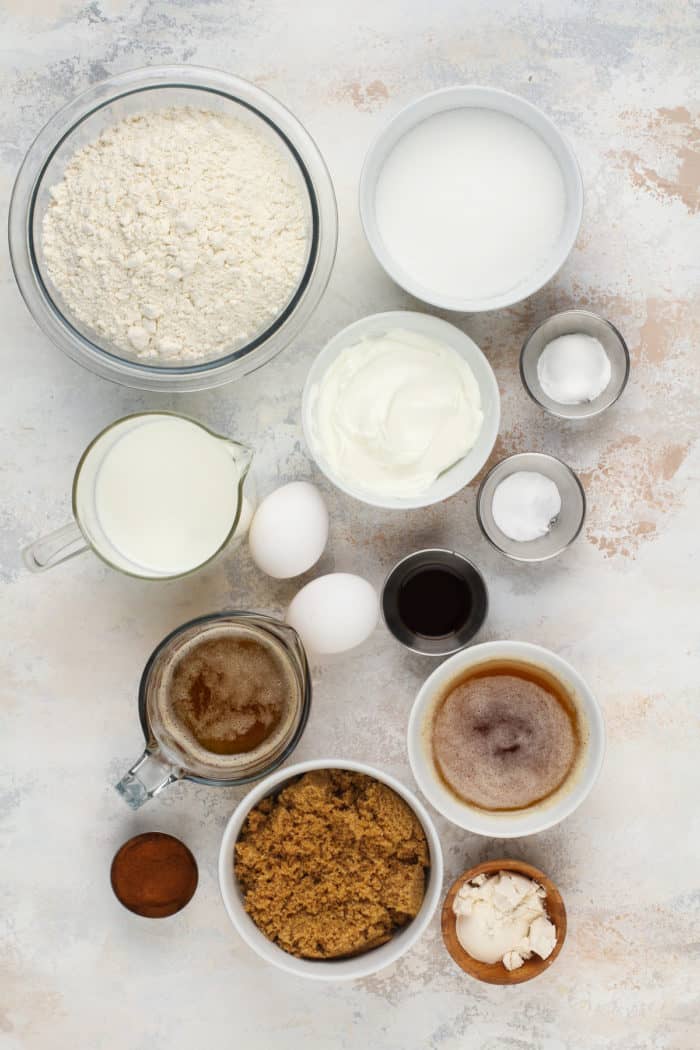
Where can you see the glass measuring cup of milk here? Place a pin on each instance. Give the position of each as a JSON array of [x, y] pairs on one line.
[[155, 495], [176, 690]]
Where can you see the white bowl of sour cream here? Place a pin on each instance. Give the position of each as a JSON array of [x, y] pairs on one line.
[[400, 410], [471, 198]]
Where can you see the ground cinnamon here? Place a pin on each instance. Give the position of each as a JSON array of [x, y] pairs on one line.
[[154, 875]]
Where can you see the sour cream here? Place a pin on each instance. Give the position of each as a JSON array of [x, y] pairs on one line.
[[392, 412]]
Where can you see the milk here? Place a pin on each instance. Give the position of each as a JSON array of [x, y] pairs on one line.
[[166, 495], [470, 203]]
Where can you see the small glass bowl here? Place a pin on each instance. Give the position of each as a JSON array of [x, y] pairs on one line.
[[459, 566], [82, 121], [570, 322], [565, 528]]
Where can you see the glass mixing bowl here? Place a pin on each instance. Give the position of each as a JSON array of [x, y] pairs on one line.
[[82, 121]]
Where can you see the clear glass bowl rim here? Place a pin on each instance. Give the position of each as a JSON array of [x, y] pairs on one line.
[[220, 370]]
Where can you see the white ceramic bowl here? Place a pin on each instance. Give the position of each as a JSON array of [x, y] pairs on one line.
[[512, 824], [331, 970], [483, 98], [459, 475]]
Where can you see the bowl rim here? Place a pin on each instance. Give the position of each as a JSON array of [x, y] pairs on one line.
[[522, 558], [266, 345], [561, 412], [398, 319], [496, 973], [328, 970], [519, 823], [469, 96]]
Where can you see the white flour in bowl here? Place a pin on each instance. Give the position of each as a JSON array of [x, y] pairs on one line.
[[179, 234]]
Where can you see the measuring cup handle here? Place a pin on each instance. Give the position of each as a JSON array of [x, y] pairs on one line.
[[51, 550], [146, 779]]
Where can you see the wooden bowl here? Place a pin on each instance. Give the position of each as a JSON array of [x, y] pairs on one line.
[[496, 973]]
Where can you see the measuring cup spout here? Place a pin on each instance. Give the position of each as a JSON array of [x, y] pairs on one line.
[[242, 456]]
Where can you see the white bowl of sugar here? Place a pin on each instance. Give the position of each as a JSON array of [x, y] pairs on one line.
[[471, 199]]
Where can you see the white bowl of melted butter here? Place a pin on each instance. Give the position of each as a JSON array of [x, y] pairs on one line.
[[530, 755], [401, 410]]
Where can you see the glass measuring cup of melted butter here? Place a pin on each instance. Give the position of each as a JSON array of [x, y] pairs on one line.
[[155, 495], [223, 700]]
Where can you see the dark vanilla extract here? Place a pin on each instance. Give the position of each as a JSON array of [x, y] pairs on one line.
[[434, 602]]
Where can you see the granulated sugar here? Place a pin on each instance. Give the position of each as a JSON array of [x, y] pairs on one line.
[[470, 203], [178, 234]]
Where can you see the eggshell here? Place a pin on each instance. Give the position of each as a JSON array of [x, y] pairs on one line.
[[289, 530], [334, 613]]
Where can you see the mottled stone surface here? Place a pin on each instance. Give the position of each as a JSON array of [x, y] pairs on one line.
[[622, 80]]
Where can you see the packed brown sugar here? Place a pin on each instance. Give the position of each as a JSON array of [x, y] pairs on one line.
[[332, 866]]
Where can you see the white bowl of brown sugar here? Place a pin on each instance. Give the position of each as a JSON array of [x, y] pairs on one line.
[[506, 739], [330, 869]]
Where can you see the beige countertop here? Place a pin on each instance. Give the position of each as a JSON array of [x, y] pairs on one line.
[[623, 82]]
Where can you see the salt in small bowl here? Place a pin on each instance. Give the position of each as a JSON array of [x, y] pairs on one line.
[[575, 322], [565, 528]]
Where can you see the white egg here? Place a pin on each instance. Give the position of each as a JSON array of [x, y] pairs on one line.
[[334, 613], [289, 530]]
